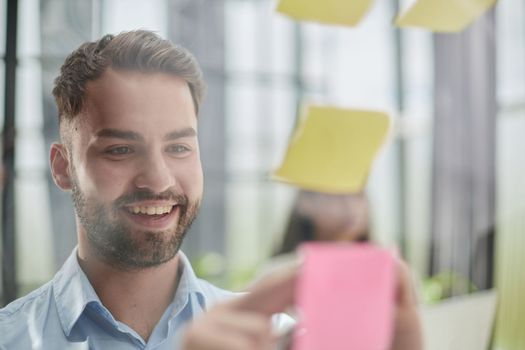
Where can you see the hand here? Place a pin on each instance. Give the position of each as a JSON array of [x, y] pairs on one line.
[[243, 323]]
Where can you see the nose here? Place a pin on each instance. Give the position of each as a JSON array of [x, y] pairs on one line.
[[155, 174]]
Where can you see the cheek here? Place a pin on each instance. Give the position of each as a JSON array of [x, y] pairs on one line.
[[192, 179], [104, 183]]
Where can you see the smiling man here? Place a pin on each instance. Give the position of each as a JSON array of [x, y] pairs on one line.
[[129, 156]]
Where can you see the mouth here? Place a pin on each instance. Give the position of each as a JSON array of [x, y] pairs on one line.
[[150, 210], [152, 216]]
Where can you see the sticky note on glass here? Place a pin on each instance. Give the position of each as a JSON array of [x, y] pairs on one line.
[[443, 15], [345, 297], [338, 12], [332, 149]]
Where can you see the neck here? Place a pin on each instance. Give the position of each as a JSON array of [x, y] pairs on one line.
[[137, 298]]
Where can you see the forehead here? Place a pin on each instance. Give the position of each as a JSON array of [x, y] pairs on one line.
[[141, 102]]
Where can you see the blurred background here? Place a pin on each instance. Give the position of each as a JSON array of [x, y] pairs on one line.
[[447, 189]]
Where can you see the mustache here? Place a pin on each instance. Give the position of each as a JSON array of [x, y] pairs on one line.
[[144, 195]]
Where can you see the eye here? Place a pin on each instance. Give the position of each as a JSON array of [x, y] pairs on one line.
[[178, 149], [119, 151]]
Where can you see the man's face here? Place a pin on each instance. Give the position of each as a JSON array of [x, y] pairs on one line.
[[135, 170]]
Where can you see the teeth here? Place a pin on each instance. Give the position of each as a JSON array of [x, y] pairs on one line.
[[150, 210]]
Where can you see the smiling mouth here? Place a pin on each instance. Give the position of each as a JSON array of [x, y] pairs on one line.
[[152, 217], [150, 210]]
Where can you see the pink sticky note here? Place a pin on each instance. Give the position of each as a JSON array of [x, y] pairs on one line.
[[345, 297]]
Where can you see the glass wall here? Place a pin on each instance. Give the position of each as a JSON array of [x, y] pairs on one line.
[[262, 68]]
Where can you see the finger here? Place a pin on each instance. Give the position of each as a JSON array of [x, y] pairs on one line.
[[200, 338], [270, 295], [249, 324], [222, 328]]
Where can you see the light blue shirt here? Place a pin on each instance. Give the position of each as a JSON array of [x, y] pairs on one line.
[[66, 313]]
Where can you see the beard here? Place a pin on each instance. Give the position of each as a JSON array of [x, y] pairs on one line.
[[115, 242]]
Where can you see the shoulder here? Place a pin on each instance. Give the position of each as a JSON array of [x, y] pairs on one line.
[[213, 294], [30, 310], [37, 298], [209, 293]]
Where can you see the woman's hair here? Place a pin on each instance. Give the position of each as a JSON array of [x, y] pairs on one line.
[[301, 227]]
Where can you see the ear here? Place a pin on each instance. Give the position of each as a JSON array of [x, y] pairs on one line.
[[59, 162]]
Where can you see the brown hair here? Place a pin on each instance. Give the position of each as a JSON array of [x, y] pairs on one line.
[[138, 50], [302, 228]]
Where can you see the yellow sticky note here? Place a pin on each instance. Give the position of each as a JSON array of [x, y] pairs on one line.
[[339, 12], [443, 15], [332, 149]]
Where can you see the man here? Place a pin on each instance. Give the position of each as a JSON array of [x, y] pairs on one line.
[[129, 156]]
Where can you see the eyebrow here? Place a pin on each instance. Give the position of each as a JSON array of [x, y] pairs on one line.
[[177, 134], [134, 136], [120, 134]]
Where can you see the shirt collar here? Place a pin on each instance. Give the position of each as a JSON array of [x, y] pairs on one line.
[[73, 291], [189, 286]]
